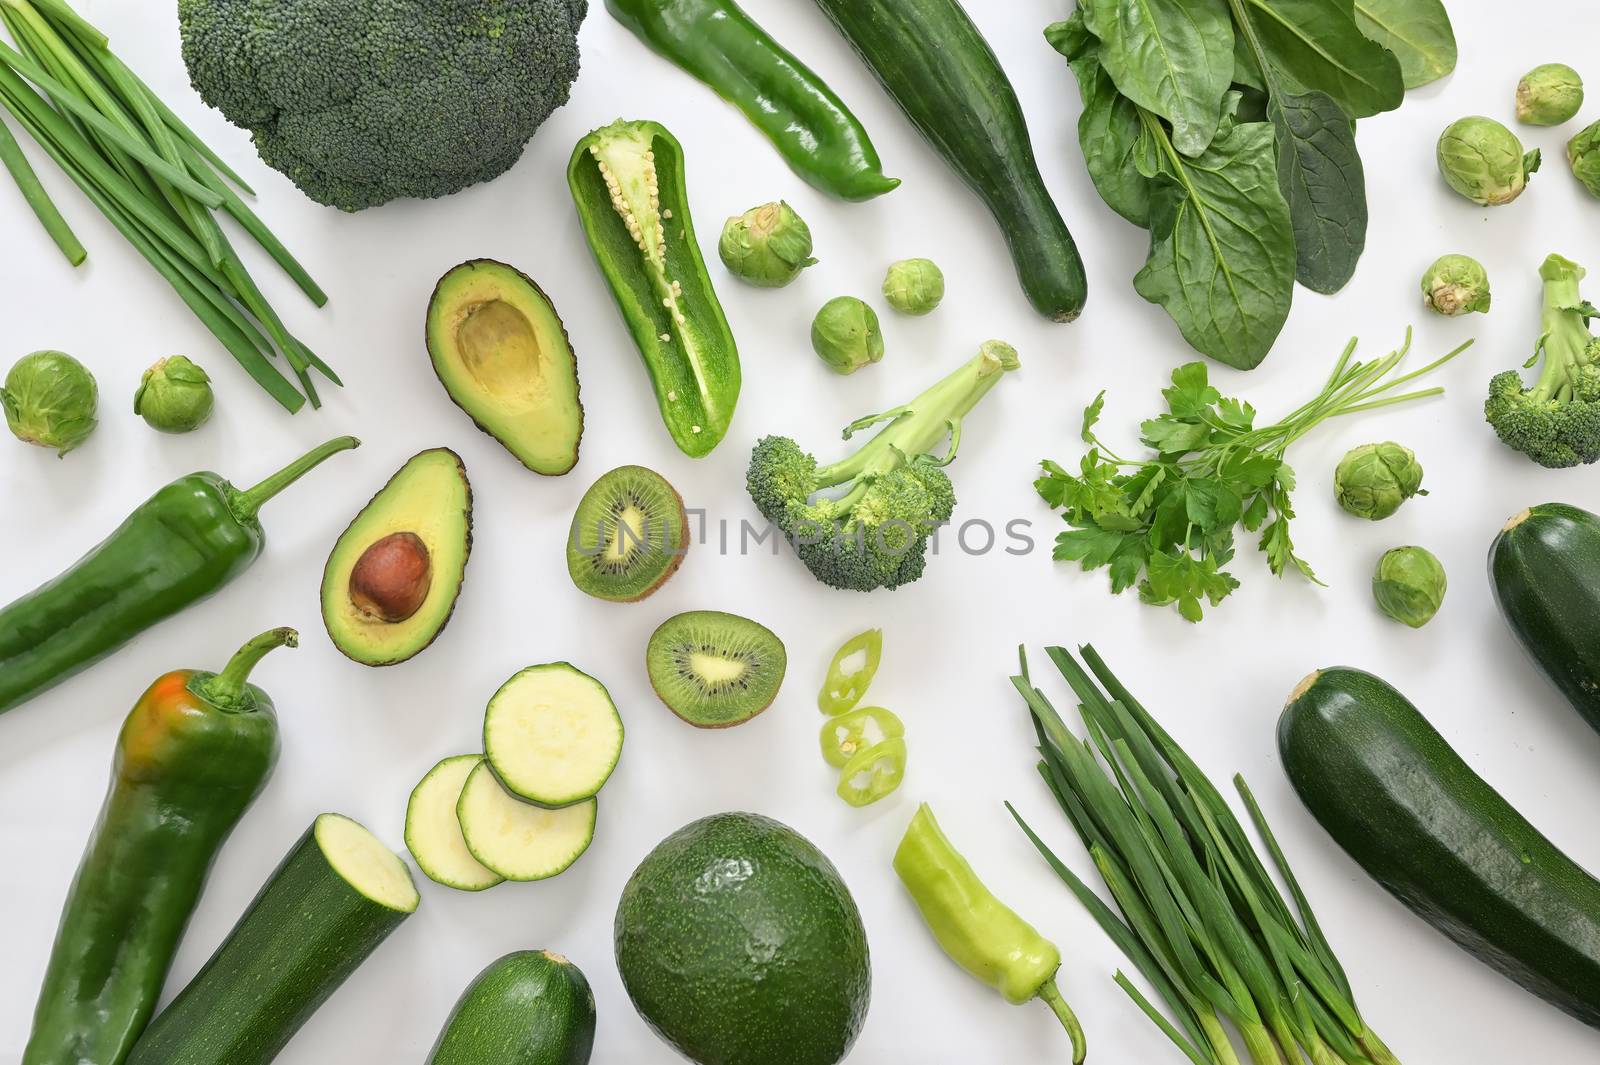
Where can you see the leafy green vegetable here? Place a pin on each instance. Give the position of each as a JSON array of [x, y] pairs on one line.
[[1201, 917], [1222, 256], [1418, 32], [1174, 58], [1119, 153], [1319, 43], [1166, 523]]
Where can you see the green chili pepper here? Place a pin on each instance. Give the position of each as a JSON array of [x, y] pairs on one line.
[[181, 545], [982, 934], [841, 689], [716, 42], [873, 773], [627, 182], [849, 734], [193, 754]]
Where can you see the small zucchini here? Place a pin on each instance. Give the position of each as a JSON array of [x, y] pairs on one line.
[[1545, 570], [1402, 803], [627, 180], [324, 910], [529, 1008]]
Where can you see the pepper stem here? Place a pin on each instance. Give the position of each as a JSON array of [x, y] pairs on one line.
[[248, 502], [226, 690], [1051, 995]]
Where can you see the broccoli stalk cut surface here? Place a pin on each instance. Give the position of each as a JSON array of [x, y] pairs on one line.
[[864, 522], [360, 102], [1556, 422]]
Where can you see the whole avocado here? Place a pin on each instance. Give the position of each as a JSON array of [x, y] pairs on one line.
[[360, 102], [740, 945]]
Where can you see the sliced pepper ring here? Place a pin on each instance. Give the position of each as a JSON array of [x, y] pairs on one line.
[[873, 773], [842, 689], [849, 734]]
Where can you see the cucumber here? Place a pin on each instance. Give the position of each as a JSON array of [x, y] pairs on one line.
[[936, 65], [1545, 570], [552, 735], [517, 839], [433, 834], [529, 1008], [1393, 794], [335, 897]]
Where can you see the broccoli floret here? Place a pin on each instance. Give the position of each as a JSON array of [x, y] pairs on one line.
[[892, 493], [360, 102], [1556, 422]]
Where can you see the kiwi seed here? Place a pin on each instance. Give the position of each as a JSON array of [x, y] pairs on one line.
[[628, 535], [714, 669]]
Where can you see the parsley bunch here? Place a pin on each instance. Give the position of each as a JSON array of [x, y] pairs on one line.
[[1166, 523]]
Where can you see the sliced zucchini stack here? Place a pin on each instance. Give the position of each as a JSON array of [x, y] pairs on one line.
[[526, 808], [324, 910]]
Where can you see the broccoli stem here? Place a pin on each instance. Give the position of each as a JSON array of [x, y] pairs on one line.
[[919, 426], [1565, 340]]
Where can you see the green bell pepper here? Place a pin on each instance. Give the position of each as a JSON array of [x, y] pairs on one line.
[[719, 44], [180, 545], [980, 933], [627, 182], [193, 754]]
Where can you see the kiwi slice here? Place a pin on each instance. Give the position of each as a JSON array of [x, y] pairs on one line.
[[628, 535], [714, 669]]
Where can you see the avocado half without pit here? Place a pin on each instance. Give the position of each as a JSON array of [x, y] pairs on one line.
[[503, 355], [394, 573]]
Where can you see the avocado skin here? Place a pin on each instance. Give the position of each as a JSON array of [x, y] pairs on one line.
[[739, 944]]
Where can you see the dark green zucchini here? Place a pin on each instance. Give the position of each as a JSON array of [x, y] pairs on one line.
[[529, 1008], [1545, 571], [936, 65], [324, 910], [1403, 804]]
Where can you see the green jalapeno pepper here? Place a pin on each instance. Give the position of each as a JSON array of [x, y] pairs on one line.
[[716, 42], [850, 733], [193, 754], [871, 774], [840, 689], [982, 934], [180, 545]]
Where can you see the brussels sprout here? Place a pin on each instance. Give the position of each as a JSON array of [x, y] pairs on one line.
[[49, 399], [1409, 585], [767, 245], [914, 286], [1372, 480], [1548, 95], [1583, 152], [1484, 161], [174, 396], [845, 334], [1456, 284]]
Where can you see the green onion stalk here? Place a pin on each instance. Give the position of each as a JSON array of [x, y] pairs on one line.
[[1196, 911], [153, 178]]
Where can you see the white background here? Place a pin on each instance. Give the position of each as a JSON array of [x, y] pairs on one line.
[[355, 740]]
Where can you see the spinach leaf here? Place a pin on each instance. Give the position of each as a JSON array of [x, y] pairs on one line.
[[1174, 58], [1318, 45], [1321, 176], [1418, 32], [1222, 258], [1116, 149]]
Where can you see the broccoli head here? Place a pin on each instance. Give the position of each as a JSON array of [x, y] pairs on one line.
[[864, 522], [360, 102], [1556, 422]]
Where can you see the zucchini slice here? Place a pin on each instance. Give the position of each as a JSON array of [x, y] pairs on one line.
[[330, 903], [552, 735], [517, 839], [433, 834]]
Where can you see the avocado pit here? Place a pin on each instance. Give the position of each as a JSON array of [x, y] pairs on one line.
[[499, 348], [390, 580]]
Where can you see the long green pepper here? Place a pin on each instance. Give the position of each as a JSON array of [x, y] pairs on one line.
[[178, 547]]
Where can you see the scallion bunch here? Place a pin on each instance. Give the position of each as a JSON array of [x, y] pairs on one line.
[[1197, 912], [152, 177]]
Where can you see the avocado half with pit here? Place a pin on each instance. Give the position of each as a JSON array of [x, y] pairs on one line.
[[503, 355], [394, 573]]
